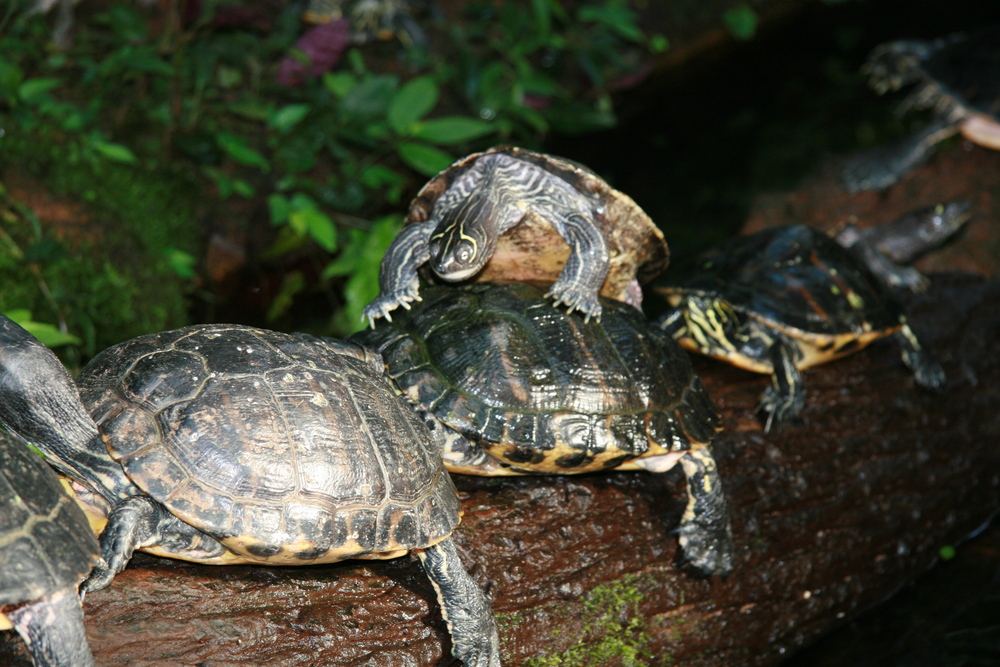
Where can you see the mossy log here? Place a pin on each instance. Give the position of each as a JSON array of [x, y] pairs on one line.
[[830, 515]]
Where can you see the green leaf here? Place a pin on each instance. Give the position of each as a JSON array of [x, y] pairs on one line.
[[362, 286], [112, 151], [182, 263], [289, 116], [741, 22], [293, 283], [236, 148], [615, 15], [411, 103], [250, 110], [424, 159], [370, 98], [339, 83], [452, 130], [49, 335], [658, 43], [317, 225], [279, 207], [34, 89]]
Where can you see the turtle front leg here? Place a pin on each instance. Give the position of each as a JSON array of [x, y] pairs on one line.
[[881, 167], [464, 606], [706, 534], [133, 523], [52, 629], [927, 371], [399, 284], [579, 283], [785, 398]]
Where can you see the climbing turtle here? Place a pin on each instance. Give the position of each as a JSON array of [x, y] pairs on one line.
[[957, 76], [228, 444], [516, 387], [46, 550], [782, 300], [510, 214]]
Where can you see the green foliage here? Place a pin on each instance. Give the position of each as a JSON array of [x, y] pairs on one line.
[[331, 159], [741, 22]]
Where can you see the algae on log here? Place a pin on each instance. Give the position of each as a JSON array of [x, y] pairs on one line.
[[830, 516]]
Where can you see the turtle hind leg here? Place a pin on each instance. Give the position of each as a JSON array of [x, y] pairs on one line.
[[706, 535], [785, 398], [139, 521], [927, 371], [464, 606], [52, 628]]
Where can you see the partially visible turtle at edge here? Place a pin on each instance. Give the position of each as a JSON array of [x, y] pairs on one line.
[[787, 298], [46, 550], [957, 76], [509, 215], [226, 444], [515, 387]]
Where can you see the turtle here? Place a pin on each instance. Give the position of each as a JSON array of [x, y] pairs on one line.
[[227, 444], [510, 214], [46, 550], [957, 76], [515, 387], [782, 300]]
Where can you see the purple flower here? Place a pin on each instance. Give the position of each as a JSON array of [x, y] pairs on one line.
[[322, 45]]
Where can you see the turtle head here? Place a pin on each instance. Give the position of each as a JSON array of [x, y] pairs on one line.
[[463, 241], [711, 325]]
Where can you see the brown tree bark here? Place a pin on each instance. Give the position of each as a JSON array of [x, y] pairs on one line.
[[830, 516]]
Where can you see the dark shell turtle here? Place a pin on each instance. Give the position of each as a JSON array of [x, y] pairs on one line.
[[228, 444], [782, 300], [957, 76], [46, 550], [510, 215], [522, 388]]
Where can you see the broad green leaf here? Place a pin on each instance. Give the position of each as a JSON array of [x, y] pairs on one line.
[[370, 98], [293, 283], [33, 89], [279, 207], [49, 335], [411, 103], [112, 151], [289, 116], [250, 110], [237, 148], [362, 286], [614, 14], [339, 83], [424, 159], [453, 130], [741, 21], [182, 263], [11, 77], [317, 225]]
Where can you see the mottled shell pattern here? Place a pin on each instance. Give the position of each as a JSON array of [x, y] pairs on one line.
[[272, 443]]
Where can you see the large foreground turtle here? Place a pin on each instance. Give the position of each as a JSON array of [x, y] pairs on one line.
[[957, 76], [228, 444], [517, 387], [510, 214], [782, 300], [46, 550]]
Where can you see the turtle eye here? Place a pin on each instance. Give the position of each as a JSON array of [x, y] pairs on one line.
[[464, 252]]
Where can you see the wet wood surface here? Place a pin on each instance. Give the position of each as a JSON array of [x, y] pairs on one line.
[[831, 516]]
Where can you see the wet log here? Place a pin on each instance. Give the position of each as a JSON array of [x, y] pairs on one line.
[[831, 515]]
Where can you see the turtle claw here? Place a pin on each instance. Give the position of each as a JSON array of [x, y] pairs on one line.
[[385, 304], [780, 409], [589, 306]]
